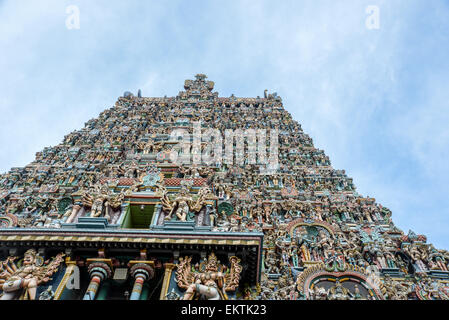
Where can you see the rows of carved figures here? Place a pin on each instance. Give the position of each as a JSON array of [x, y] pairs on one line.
[[310, 213], [31, 277]]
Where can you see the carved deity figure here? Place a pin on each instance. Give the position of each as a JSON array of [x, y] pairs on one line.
[[180, 206], [20, 283], [100, 200], [338, 292], [210, 280], [184, 203]]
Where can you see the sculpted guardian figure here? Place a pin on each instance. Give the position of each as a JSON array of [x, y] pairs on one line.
[[210, 280], [20, 283]]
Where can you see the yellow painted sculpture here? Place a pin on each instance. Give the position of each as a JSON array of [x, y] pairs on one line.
[[20, 283], [210, 280]]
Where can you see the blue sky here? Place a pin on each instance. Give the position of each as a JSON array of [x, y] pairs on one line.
[[377, 101]]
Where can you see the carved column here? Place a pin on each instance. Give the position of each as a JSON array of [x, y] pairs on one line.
[[159, 215], [141, 271], [75, 210], [168, 271], [98, 272], [206, 221]]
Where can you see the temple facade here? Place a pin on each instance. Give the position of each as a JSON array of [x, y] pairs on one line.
[[199, 197]]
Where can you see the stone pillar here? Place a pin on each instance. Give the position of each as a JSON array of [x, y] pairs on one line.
[[141, 271], [75, 210], [137, 288], [166, 282], [98, 272], [159, 215], [206, 221]]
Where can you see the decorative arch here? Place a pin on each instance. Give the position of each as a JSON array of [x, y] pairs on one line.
[[309, 222], [7, 221], [317, 274]]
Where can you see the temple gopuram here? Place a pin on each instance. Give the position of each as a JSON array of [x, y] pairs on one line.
[[112, 213]]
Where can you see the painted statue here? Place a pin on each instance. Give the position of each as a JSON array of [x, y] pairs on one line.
[[19, 281], [210, 280]]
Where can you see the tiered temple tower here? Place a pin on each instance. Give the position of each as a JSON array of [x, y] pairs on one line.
[[201, 197]]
